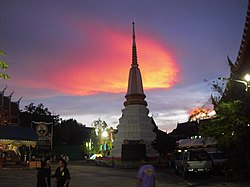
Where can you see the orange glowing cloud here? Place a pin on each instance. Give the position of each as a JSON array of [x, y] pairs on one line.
[[201, 113], [158, 67], [100, 59]]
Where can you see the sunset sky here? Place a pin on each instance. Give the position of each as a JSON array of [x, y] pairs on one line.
[[74, 56]]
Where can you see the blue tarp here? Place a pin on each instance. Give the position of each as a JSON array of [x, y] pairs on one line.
[[17, 133]]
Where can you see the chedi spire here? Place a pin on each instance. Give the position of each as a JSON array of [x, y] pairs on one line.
[[135, 94]]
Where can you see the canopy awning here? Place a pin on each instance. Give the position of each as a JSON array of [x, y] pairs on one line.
[[196, 143], [17, 136]]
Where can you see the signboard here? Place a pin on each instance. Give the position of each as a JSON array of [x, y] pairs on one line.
[[44, 133]]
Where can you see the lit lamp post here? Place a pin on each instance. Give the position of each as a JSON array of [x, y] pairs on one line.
[[104, 136], [246, 82], [247, 78]]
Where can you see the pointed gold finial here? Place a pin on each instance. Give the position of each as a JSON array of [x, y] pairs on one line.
[[134, 53]]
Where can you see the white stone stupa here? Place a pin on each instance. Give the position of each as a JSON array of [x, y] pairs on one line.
[[135, 125]]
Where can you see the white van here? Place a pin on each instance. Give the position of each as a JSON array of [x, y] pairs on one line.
[[193, 161]]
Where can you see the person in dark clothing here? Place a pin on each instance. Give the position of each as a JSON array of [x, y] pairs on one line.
[[48, 170], [42, 176], [62, 174]]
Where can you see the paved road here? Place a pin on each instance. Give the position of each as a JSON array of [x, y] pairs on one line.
[[93, 176]]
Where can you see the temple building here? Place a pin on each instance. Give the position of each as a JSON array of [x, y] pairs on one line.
[[9, 110], [12, 136], [135, 129], [237, 86]]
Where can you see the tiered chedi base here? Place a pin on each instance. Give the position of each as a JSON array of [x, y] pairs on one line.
[[134, 126]]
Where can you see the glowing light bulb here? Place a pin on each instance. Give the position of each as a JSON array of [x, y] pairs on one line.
[[247, 77]]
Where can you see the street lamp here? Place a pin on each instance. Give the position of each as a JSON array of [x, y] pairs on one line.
[[105, 134], [246, 82], [247, 77]]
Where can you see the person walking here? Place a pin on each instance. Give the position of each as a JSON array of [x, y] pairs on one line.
[[62, 174], [42, 177], [146, 174]]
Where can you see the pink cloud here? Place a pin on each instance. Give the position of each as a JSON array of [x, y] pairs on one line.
[[99, 60]]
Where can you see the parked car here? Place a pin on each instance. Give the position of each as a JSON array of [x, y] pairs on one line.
[[218, 158], [218, 161], [193, 161]]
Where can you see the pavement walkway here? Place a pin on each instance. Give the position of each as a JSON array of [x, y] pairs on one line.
[[86, 174]]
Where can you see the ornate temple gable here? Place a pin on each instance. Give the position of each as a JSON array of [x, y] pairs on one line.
[[242, 63], [9, 110]]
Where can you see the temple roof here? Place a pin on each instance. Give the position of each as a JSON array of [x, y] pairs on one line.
[[242, 64], [241, 67], [17, 133]]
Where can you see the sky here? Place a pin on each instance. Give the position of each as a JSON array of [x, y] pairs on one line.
[[74, 56]]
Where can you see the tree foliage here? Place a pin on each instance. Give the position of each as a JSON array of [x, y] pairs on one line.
[[231, 131], [39, 109], [3, 66], [70, 132], [36, 113], [100, 128], [229, 125]]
